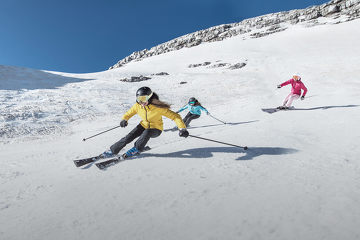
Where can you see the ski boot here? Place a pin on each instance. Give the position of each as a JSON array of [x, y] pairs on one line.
[[106, 154], [282, 108], [131, 152]]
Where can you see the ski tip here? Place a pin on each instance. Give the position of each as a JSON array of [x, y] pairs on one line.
[[78, 163], [100, 166]]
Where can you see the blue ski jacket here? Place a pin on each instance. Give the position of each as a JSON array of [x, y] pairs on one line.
[[194, 109]]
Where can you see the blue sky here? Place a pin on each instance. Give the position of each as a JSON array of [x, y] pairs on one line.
[[91, 35]]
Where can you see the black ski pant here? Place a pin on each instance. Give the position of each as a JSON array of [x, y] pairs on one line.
[[139, 131], [189, 117]]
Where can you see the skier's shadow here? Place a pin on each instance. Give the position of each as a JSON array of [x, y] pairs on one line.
[[248, 154], [325, 107], [228, 123], [212, 125]]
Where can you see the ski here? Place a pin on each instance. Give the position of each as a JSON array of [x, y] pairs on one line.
[[274, 110], [110, 162], [270, 110], [113, 161], [84, 161]]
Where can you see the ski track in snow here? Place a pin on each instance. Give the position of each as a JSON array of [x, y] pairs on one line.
[[299, 179]]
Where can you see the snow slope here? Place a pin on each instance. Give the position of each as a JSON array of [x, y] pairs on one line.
[[298, 180]]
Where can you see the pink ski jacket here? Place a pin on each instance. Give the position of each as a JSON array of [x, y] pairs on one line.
[[296, 86]]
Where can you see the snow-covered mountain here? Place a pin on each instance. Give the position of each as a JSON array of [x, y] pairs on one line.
[[299, 179], [333, 12]]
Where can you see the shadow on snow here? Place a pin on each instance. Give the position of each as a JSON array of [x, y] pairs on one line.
[[211, 125], [250, 154], [325, 107], [220, 124], [17, 78]]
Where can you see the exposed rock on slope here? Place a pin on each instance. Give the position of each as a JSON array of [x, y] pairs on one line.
[[335, 11]]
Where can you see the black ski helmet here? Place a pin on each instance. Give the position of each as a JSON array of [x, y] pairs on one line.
[[145, 92], [192, 99]]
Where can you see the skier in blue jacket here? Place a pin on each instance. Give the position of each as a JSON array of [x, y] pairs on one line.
[[195, 109]]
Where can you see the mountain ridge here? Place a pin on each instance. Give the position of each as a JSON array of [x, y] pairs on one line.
[[337, 11]]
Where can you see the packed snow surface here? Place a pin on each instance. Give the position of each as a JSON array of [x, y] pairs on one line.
[[299, 179]]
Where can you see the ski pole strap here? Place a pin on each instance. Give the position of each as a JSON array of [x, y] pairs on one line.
[[245, 147], [100, 133]]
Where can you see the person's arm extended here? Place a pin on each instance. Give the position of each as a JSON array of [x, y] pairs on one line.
[[175, 117], [182, 109], [303, 88], [131, 112], [204, 109], [285, 83]]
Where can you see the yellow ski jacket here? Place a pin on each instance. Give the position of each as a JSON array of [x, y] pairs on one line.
[[152, 116]]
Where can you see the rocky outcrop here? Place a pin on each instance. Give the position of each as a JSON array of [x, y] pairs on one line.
[[160, 74], [237, 66], [142, 78], [194, 65], [135, 79], [219, 64], [336, 11]]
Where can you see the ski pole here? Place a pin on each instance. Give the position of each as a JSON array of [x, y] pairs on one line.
[[100, 133], [217, 119], [245, 147]]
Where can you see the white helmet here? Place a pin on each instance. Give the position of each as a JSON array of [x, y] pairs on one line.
[[296, 76]]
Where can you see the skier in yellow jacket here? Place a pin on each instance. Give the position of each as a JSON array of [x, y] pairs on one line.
[[150, 109]]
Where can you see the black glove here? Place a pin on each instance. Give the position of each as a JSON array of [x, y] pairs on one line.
[[278, 86], [183, 133], [303, 97], [123, 123]]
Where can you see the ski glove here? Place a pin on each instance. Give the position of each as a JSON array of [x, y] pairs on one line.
[[303, 97], [183, 133], [278, 86], [123, 123]]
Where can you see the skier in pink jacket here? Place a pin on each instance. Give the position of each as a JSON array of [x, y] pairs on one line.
[[296, 86]]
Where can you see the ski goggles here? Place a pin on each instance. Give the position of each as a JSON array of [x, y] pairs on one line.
[[192, 103], [144, 98]]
